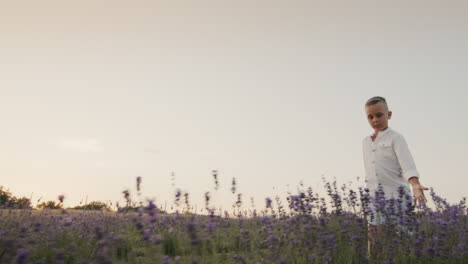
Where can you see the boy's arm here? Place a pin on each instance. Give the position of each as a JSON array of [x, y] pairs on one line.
[[409, 168], [418, 189], [404, 158]]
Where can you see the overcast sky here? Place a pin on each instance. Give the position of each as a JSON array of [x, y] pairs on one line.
[[95, 93]]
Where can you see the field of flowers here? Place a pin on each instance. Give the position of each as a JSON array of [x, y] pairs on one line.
[[305, 229]]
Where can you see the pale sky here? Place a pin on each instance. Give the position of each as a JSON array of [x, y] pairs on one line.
[[95, 93]]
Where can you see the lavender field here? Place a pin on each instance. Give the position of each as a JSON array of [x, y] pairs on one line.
[[306, 228]]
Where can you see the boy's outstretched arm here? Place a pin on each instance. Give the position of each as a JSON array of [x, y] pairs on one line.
[[409, 168], [418, 189]]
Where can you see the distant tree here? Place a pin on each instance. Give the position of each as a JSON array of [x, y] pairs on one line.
[[129, 208], [7, 200], [49, 205], [95, 205], [5, 197], [22, 203]]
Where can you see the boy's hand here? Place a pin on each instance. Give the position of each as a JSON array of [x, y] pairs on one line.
[[418, 193]]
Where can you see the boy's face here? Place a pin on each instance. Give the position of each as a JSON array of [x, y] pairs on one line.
[[378, 116]]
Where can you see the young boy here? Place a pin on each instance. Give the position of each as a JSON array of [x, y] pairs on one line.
[[388, 162]]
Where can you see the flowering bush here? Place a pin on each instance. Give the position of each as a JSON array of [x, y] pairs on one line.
[[308, 229]]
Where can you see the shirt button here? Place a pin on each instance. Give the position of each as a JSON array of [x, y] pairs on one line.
[[373, 150], [373, 162]]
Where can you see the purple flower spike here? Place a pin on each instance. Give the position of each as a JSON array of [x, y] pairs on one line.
[[138, 180], [165, 260], [22, 257]]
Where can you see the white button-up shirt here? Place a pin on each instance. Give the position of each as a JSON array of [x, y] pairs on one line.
[[388, 161]]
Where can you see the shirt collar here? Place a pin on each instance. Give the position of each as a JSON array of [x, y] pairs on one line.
[[385, 131], [382, 133]]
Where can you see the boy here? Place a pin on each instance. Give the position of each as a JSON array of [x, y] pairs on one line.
[[388, 162]]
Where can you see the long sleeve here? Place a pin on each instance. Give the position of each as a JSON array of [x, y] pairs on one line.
[[405, 158]]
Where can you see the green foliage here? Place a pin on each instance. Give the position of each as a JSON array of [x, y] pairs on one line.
[[95, 205], [7, 200], [5, 196], [49, 205], [170, 246], [21, 203]]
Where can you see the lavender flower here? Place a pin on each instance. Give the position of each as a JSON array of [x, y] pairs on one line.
[[178, 194], [22, 258], [214, 173], [239, 200], [138, 183], [268, 202], [165, 260], [234, 185], [306, 232]]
